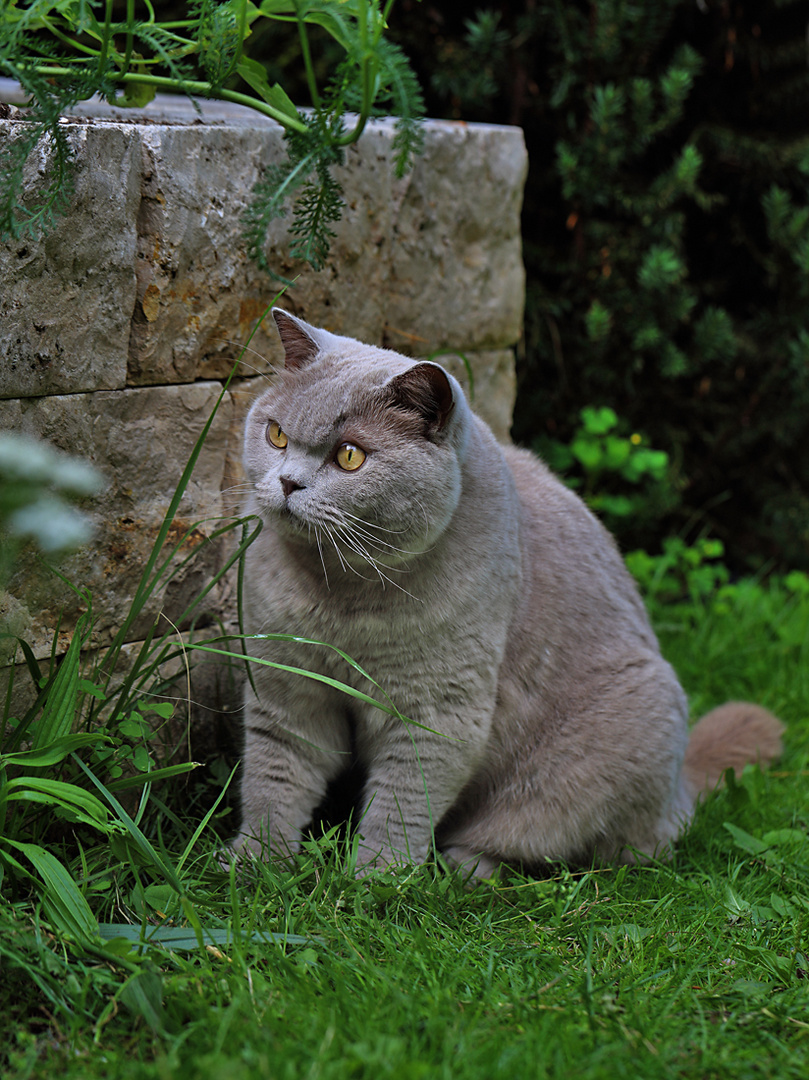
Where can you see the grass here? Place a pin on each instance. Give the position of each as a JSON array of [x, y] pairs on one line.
[[697, 968]]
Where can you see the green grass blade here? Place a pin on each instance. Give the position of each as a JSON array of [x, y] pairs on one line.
[[64, 903], [165, 773], [204, 823], [31, 661], [150, 659], [120, 698], [185, 939], [144, 846], [327, 680], [60, 705], [148, 581], [53, 753], [83, 804], [142, 993]]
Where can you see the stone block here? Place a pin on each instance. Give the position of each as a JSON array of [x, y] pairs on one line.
[[67, 298], [198, 294], [113, 325], [146, 280], [457, 279], [489, 382], [141, 440]]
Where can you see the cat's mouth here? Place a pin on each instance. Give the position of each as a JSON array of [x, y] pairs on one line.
[[290, 520]]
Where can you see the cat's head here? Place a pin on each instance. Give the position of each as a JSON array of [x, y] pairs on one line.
[[354, 450]]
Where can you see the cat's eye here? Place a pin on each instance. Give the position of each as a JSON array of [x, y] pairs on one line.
[[275, 436], [349, 456]]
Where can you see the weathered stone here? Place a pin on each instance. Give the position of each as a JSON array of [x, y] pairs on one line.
[[425, 263], [457, 279], [141, 440], [66, 299], [198, 294]]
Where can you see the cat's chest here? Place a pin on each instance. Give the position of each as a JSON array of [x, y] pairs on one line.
[[442, 603]]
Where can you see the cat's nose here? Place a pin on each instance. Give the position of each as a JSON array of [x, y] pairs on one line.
[[288, 486]]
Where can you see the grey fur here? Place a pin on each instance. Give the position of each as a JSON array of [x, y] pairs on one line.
[[487, 602]]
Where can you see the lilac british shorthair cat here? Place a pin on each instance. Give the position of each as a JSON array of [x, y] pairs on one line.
[[491, 607]]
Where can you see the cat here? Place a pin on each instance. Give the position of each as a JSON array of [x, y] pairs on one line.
[[486, 601]]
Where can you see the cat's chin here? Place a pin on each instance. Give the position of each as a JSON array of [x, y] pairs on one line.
[[289, 524]]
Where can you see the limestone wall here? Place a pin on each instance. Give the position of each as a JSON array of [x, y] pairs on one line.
[[117, 328]]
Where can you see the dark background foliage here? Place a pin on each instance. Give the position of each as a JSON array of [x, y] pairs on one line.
[[666, 238]]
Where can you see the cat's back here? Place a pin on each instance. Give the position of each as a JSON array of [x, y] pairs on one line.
[[576, 590]]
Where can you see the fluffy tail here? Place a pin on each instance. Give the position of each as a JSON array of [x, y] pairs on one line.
[[728, 738]]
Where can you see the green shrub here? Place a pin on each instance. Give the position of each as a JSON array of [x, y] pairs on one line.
[[619, 477]]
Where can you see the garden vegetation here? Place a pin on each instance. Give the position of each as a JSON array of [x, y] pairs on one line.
[[664, 370]]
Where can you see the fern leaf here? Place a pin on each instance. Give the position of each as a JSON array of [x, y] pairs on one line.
[[48, 103], [218, 41], [319, 205], [407, 103]]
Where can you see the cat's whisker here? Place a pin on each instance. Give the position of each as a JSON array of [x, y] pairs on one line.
[[237, 489], [330, 533], [320, 553], [355, 545], [424, 513], [346, 539], [340, 530], [373, 525], [362, 529], [376, 542], [337, 519]]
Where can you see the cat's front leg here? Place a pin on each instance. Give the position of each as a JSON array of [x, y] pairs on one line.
[[288, 762], [415, 776]]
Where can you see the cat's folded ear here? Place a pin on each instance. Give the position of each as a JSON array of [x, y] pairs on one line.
[[301, 341], [426, 390]]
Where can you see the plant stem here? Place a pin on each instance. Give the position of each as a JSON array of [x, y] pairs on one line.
[[130, 19], [204, 89], [367, 82], [105, 40], [68, 40], [307, 60]]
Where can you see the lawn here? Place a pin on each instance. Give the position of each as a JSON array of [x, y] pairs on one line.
[[697, 968]]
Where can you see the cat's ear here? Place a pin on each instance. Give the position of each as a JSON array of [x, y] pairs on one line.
[[300, 340], [425, 389]]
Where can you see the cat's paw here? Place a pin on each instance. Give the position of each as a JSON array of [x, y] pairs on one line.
[[237, 855], [471, 865]]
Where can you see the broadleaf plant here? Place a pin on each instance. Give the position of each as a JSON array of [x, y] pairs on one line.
[[65, 51]]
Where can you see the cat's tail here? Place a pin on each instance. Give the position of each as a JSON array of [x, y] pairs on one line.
[[728, 738]]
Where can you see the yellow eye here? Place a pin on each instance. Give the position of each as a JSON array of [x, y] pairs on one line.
[[276, 436], [349, 457]]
